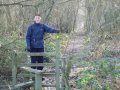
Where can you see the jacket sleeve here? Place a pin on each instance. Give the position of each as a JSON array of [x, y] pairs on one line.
[[28, 37], [50, 30]]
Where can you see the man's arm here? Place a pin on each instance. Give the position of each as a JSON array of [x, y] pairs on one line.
[[28, 37], [50, 30]]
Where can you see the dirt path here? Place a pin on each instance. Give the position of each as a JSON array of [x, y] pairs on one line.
[[76, 43]]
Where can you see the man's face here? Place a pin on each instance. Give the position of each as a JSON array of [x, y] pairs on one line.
[[37, 19]]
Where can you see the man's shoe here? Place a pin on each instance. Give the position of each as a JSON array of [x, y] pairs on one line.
[[43, 79]]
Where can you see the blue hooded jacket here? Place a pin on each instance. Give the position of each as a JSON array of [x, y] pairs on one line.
[[35, 35]]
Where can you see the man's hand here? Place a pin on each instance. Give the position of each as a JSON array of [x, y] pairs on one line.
[[58, 31]]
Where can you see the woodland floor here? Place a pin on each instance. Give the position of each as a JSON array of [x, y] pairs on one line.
[[76, 45]]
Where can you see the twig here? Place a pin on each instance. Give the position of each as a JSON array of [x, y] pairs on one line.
[[16, 3]]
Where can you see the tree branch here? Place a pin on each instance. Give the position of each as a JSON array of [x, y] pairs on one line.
[[16, 3], [65, 1]]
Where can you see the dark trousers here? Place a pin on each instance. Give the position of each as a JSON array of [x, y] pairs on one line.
[[37, 59]]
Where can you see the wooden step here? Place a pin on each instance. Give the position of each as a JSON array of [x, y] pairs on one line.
[[28, 69], [24, 84], [46, 74], [48, 85]]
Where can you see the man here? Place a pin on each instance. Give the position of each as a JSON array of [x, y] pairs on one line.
[[34, 39]]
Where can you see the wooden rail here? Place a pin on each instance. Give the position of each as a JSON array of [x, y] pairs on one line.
[[37, 64]]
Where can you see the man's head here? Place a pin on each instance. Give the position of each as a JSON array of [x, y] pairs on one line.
[[37, 18]]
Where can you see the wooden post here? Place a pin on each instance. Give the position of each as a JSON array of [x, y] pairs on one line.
[[63, 73], [57, 65], [38, 81], [14, 72]]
